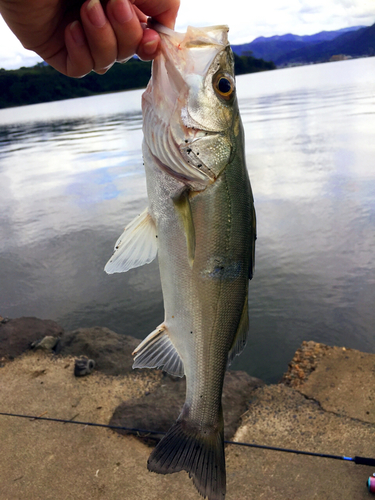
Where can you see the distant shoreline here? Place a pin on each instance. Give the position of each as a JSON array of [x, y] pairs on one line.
[[42, 83]]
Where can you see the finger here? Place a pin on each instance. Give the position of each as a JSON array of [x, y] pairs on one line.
[[149, 45], [164, 11], [141, 16], [126, 25], [78, 60], [100, 36]]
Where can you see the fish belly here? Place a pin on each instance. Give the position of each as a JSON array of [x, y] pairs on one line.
[[204, 300]]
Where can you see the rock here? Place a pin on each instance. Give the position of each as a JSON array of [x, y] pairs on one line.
[[47, 343], [16, 335], [83, 366], [111, 351], [342, 380], [304, 362], [158, 410]]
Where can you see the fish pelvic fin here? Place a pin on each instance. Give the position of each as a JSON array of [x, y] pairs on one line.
[[241, 335], [136, 246], [198, 452], [158, 351]]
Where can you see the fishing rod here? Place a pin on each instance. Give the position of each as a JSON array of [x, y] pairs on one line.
[[357, 460]]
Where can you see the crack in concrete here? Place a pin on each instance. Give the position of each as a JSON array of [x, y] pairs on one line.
[[311, 398]]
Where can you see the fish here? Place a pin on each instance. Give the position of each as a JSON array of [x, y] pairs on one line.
[[200, 221]]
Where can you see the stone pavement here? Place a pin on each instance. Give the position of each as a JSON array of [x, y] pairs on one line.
[[326, 404]]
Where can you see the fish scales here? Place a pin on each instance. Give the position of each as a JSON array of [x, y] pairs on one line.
[[200, 220]]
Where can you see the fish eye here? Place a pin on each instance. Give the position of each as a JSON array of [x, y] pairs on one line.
[[224, 86]]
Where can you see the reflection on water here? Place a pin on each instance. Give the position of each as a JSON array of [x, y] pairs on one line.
[[71, 177]]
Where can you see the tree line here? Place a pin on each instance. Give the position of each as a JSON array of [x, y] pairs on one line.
[[42, 83]]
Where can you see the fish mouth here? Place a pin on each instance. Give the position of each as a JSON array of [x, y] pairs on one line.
[[211, 35], [181, 66], [172, 131], [207, 41]]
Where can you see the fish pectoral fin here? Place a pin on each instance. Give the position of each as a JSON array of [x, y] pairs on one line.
[[241, 335], [158, 351], [183, 208], [136, 246]]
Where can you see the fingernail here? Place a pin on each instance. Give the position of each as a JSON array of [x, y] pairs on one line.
[[77, 33], [122, 11], [95, 13], [149, 48]]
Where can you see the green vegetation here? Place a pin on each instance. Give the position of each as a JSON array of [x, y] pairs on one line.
[[42, 83], [249, 64]]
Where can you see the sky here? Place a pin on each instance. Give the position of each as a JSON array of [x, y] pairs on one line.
[[259, 18]]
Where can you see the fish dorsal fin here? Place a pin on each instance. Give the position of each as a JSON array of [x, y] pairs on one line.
[[136, 246], [157, 351], [241, 335]]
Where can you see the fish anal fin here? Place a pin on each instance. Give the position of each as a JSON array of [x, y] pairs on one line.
[[136, 246], [241, 335], [158, 351], [183, 208], [199, 452]]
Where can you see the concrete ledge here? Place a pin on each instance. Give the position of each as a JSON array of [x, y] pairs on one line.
[[326, 404], [281, 416], [341, 380]]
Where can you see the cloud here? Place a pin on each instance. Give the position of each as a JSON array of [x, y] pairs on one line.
[[276, 17], [246, 21], [12, 54], [18, 59]]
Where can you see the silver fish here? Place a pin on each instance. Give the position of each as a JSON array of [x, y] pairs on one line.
[[200, 220]]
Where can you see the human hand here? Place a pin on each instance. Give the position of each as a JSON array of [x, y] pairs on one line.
[[77, 37]]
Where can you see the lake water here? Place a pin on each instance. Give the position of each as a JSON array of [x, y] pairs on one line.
[[71, 177]]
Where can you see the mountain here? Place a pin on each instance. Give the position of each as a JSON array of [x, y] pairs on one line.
[[322, 36], [289, 48], [358, 43], [269, 50]]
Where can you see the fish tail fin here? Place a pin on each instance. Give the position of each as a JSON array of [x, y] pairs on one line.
[[198, 452]]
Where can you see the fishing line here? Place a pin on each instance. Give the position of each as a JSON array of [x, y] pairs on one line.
[[356, 460]]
